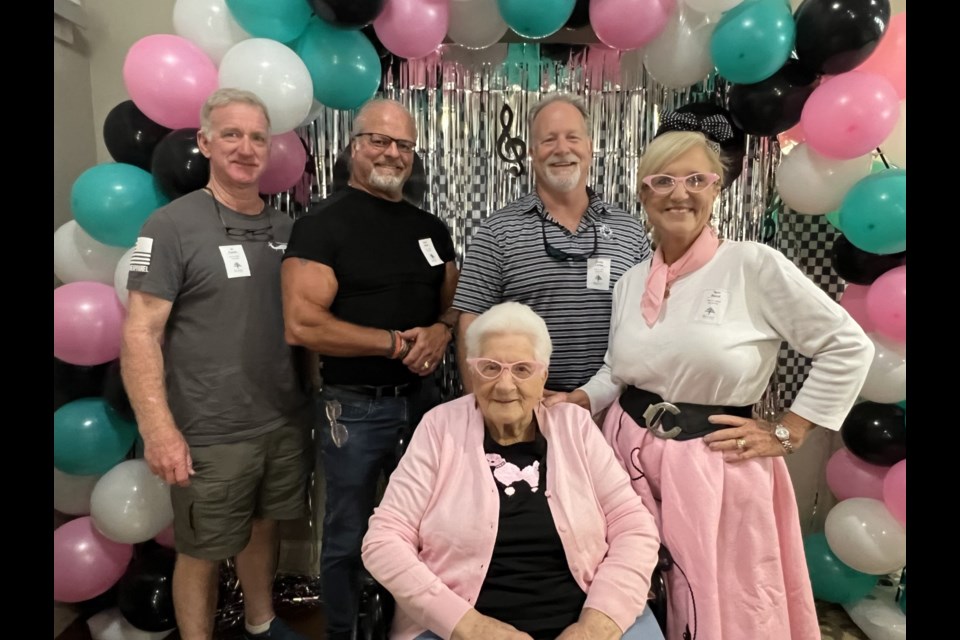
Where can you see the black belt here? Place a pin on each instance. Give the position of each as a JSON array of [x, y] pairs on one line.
[[675, 420], [385, 391]]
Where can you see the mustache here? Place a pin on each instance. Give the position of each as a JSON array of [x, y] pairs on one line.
[[567, 157]]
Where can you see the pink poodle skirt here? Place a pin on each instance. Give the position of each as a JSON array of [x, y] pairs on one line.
[[734, 533]]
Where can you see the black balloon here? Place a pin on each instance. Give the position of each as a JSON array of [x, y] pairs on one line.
[[348, 13], [834, 36], [580, 16], [130, 136], [115, 394], [859, 267], [145, 592], [775, 104], [178, 166], [876, 433], [72, 382], [414, 188], [733, 150]]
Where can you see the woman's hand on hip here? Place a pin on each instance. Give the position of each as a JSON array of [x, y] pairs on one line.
[[749, 438]]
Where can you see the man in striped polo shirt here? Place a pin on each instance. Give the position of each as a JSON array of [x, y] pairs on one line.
[[560, 249]]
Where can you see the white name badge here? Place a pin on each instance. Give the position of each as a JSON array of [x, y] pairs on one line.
[[430, 252], [235, 261], [598, 274], [713, 306]]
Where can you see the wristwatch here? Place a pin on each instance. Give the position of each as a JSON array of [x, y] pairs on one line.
[[783, 435]]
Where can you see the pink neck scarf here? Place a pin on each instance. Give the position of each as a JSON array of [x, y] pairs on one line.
[[662, 274]]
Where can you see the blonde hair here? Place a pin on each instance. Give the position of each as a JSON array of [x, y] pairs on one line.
[[225, 97], [667, 147]]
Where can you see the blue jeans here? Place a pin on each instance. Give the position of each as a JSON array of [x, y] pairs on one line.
[[645, 628], [352, 472]]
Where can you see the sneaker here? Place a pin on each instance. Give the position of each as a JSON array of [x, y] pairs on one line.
[[278, 631]]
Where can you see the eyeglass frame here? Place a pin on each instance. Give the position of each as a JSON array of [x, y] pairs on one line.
[[560, 254], [713, 177], [236, 233], [506, 366], [392, 140]]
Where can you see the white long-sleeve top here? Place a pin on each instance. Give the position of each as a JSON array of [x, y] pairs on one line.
[[719, 332]]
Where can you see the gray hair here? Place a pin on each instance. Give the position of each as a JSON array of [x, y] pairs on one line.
[[667, 147], [567, 98], [358, 119], [510, 318], [225, 97]]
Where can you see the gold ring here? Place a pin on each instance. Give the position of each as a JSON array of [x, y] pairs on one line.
[[741, 443], [426, 364]]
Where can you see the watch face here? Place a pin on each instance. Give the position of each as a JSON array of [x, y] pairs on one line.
[[781, 432]]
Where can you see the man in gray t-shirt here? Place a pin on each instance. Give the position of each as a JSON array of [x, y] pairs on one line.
[[219, 401]]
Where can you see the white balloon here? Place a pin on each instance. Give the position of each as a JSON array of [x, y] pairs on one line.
[[864, 535], [813, 184], [315, 110], [71, 494], [878, 615], [476, 24], [78, 257], [276, 74], [895, 146], [130, 504], [110, 624], [209, 25], [680, 55], [712, 6], [120, 276], [886, 381]]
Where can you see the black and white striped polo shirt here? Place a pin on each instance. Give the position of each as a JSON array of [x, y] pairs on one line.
[[507, 260]]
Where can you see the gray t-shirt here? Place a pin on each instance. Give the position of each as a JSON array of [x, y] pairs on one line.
[[230, 375]]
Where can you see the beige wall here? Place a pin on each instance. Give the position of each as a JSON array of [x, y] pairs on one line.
[[73, 137]]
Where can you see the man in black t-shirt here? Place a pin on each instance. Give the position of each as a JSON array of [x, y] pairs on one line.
[[368, 280]]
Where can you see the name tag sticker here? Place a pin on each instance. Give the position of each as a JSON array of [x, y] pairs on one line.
[[598, 274], [430, 252], [713, 306], [235, 261]]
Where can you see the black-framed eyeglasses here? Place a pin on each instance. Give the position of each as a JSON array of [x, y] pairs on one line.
[[560, 254], [383, 142], [264, 234]]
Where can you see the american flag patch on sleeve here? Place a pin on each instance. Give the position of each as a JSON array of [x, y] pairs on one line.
[[140, 259]]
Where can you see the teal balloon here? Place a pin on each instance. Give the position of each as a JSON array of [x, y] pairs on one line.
[[89, 437], [536, 19], [832, 580], [873, 214], [111, 202], [280, 20], [753, 41], [834, 219], [903, 602], [343, 64]]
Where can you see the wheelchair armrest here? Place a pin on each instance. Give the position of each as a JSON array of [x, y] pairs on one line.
[[375, 611], [657, 598]]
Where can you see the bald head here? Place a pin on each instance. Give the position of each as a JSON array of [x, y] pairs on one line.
[[384, 135]]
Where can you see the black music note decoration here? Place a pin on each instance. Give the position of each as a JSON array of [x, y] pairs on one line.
[[510, 150]]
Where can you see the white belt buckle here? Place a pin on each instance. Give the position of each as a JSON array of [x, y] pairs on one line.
[[653, 417]]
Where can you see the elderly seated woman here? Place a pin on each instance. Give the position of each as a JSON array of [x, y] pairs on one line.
[[506, 519]]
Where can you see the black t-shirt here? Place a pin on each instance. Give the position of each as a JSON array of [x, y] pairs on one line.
[[528, 584], [384, 278]]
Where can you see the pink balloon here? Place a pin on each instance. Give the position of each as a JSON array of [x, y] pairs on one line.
[[887, 304], [850, 114], [165, 537], [854, 300], [288, 160], [87, 319], [647, 20], [889, 59], [169, 78], [413, 28], [895, 491], [86, 563], [850, 477]]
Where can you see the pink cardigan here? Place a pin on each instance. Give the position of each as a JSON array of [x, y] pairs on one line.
[[432, 536]]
